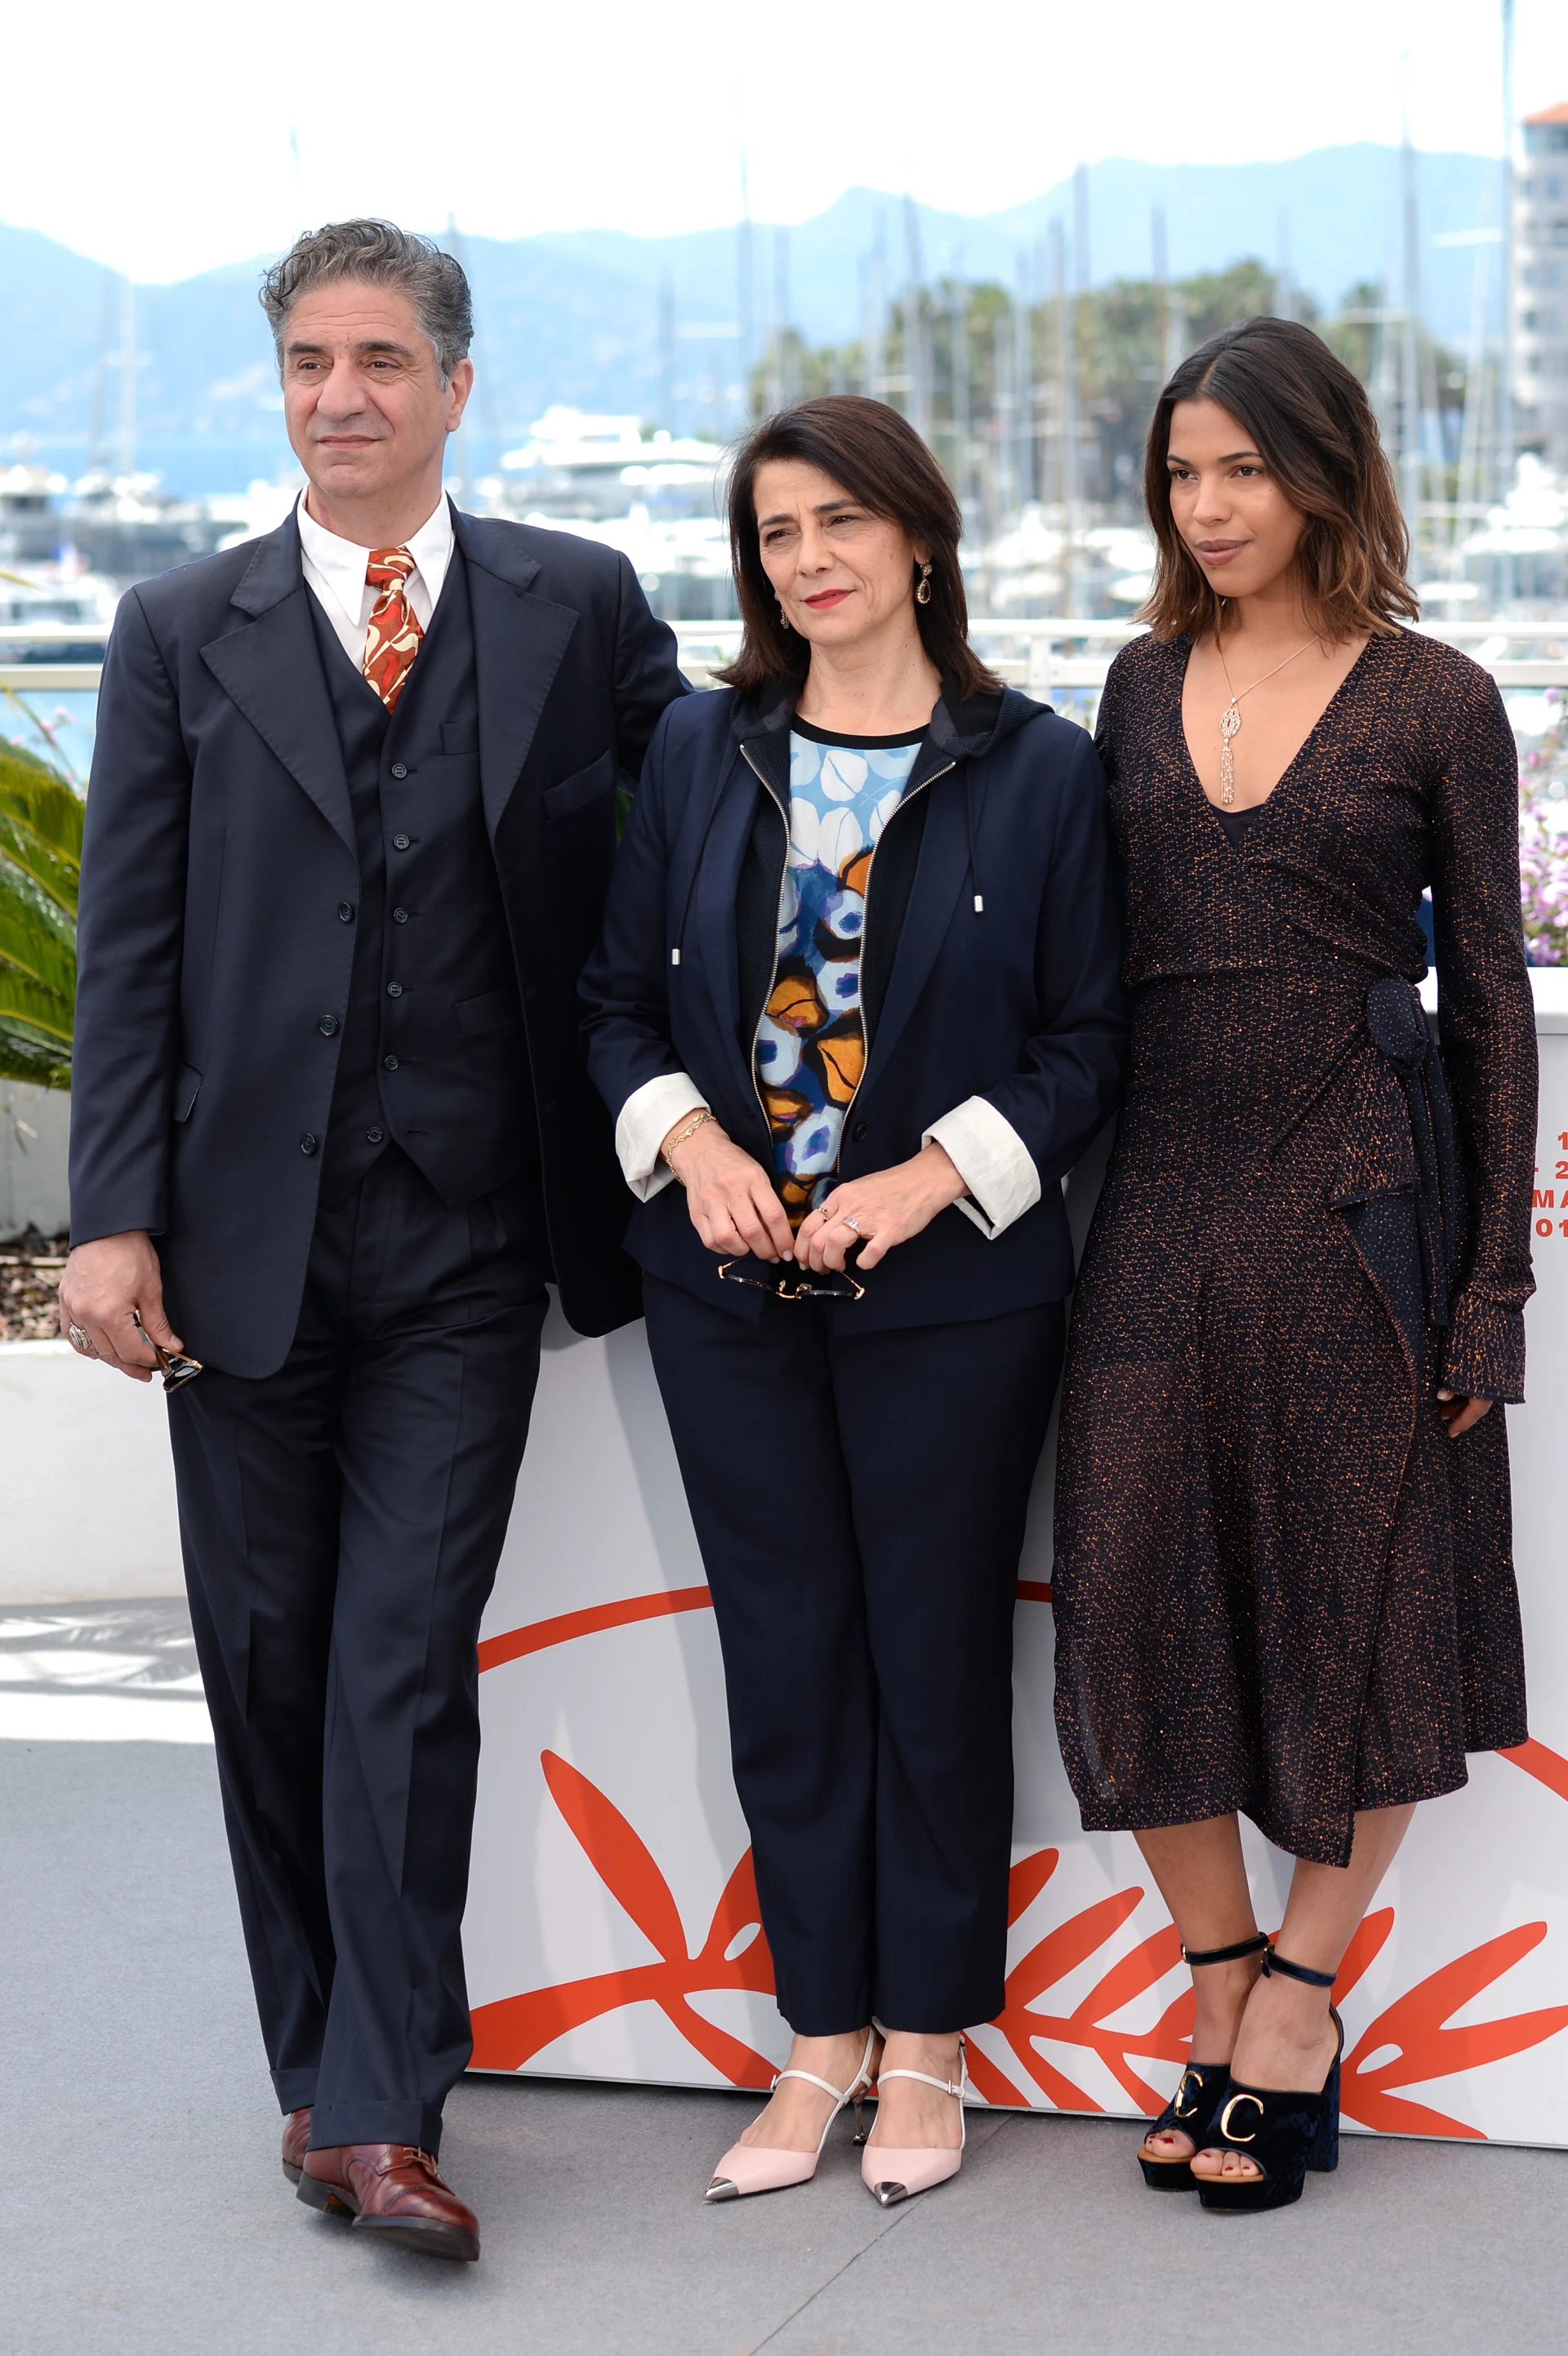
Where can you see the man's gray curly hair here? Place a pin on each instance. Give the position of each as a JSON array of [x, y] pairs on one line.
[[378, 254]]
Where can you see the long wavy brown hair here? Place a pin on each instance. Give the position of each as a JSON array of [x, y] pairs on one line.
[[1313, 425], [876, 456]]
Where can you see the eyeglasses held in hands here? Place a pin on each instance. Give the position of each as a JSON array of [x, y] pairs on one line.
[[173, 1365], [795, 1284]]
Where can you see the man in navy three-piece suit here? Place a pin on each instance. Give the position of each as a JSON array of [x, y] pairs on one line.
[[350, 823]]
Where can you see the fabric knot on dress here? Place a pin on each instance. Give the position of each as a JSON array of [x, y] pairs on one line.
[[1397, 1022]]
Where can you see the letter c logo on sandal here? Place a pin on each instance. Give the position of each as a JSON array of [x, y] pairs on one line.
[[1226, 2128]]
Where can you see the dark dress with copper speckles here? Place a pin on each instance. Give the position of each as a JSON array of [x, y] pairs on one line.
[[1279, 1587]]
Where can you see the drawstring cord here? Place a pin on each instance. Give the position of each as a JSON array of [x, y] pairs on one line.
[[969, 814], [697, 866]]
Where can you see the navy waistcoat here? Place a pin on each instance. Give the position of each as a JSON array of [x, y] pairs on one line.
[[433, 1052]]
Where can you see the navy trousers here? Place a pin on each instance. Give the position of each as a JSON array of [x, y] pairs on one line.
[[860, 1502], [341, 1522]]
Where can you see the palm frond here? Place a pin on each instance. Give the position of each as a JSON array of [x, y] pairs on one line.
[[37, 946], [40, 868], [40, 825], [21, 1061], [31, 1009]]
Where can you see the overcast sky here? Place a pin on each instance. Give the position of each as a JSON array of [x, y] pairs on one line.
[[182, 134]]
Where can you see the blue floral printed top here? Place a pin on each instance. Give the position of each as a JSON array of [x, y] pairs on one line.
[[810, 1049]]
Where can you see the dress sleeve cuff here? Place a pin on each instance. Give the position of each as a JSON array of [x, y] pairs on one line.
[[993, 1162], [1483, 1357], [647, 1118]]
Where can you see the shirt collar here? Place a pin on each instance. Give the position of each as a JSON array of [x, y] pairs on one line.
[[342, 562]]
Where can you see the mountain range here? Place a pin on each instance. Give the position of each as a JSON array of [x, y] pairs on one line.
[[586, 317]]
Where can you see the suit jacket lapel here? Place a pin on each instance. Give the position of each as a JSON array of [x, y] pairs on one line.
[[519, 642], [271, 668]]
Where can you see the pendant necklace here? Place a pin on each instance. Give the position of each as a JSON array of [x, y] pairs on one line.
[[1231, 718]]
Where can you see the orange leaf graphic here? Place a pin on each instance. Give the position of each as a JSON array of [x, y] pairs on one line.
[[1547, 1767], [1052, 1959], [508, 2034], [623, 1864], [1416, 2025], [1026, 1880]]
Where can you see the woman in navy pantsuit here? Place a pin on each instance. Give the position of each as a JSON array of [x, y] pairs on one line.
[[859, 993]]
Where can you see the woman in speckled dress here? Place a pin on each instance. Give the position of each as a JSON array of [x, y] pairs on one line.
[[857, 1009], [1283, 1583]]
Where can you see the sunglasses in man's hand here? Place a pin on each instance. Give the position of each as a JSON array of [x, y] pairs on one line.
[[174, 1366]]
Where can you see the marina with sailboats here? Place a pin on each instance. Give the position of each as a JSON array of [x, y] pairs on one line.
[[1031, 375]]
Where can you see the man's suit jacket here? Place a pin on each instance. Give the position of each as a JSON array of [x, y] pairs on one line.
[[219, 850]]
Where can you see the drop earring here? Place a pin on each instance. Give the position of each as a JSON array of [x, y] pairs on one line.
[[923, 586], [783, 616]]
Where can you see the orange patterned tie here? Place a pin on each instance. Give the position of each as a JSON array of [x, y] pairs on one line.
[[394, 636]]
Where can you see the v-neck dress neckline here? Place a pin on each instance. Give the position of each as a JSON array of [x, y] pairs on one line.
[[1308, 745]]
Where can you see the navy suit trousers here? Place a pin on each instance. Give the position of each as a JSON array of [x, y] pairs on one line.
[[342, 1522], [860, 1502]]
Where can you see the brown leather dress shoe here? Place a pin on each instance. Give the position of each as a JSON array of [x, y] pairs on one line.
[[295, 2143], [392, 2189]]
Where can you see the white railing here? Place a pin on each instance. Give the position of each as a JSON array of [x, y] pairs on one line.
[[1066, 651], [1075, 652], [53, 678]]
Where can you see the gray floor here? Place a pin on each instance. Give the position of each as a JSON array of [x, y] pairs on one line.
[[142, 2207]]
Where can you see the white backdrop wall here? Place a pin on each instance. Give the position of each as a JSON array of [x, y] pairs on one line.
[[612, 1929]]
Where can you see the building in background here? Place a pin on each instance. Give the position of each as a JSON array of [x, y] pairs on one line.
[[1540, 288]]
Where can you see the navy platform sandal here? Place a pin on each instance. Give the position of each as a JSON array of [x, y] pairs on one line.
[[1282, 2134], [1195, 2105]]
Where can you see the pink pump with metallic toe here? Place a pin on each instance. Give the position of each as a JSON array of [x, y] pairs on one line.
[[747, 2168], [892, 2175]]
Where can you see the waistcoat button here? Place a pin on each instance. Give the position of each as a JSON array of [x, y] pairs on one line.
[[394, 990], [374, 1136], [400, 769], [388, 1062], [400, 915], [345, 911], [328, 1026], [400, 843], [307, 1145]]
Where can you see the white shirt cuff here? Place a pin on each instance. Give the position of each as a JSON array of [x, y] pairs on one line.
[[647, 1118], [993, 1161]]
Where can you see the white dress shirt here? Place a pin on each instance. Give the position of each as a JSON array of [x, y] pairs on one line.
[[335, 570]]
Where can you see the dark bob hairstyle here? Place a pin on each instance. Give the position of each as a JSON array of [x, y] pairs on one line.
[[879, 460], [1312, 426]]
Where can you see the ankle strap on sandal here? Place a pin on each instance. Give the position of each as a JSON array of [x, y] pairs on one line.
[[1252, 1947], [1274, 1962]]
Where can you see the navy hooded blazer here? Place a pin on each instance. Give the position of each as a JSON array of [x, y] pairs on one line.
[[991, 967]]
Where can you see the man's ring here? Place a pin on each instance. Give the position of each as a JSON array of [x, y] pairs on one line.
[[848, 1219], [82, 1342]]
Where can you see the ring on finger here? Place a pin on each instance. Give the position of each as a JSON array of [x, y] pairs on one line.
[[80, 1341], [848, 1219]]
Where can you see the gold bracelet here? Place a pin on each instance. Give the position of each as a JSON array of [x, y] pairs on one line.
[[688, 1128]]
